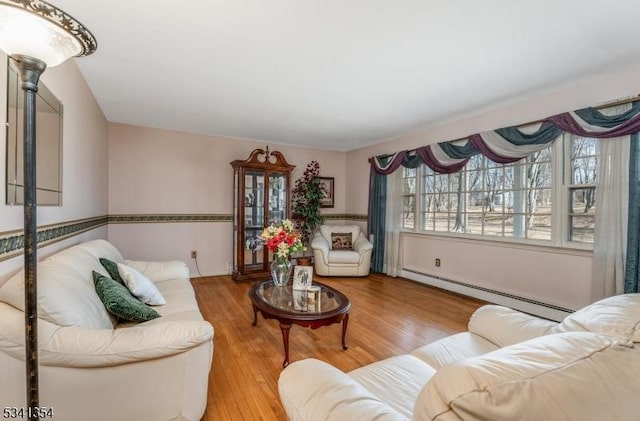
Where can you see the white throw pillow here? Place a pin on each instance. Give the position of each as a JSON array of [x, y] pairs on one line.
[[618, 315], [141, 286]]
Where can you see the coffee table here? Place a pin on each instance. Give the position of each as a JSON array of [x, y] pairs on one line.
[[287, 306]]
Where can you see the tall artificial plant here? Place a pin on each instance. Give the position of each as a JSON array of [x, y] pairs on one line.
[[306, 195]]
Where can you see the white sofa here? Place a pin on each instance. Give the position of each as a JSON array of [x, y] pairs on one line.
[[508, 366], [332, 262], [91, 367]]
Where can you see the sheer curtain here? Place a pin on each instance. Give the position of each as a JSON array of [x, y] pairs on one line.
[[613, 125], [392, 249], [612, 205]]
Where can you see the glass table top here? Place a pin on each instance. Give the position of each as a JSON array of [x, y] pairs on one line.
[[293, 301]]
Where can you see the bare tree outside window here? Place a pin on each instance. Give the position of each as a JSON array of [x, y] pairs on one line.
[[582, 188], [511, 201], [409, 178]]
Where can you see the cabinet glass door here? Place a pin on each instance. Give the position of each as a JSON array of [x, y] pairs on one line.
[[277, 197], [261, 197], [235, 219], [253, 219]]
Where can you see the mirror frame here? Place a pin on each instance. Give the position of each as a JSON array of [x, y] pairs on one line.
[[45, 196]]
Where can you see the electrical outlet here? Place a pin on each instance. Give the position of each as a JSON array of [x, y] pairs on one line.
[[194, 254], [438, 263]]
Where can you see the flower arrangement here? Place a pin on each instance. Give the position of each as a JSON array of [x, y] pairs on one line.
[[282, 240]]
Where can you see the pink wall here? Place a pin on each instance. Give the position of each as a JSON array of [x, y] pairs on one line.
[[549, 275], [121, 169], [84, 159], [553, 276], [154, 171]]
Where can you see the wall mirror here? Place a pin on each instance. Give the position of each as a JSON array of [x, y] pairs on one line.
[[48, 143]]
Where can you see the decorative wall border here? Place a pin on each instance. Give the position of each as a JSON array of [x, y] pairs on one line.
[[346, 216], [168, 218], [204, 217], [12, 242]]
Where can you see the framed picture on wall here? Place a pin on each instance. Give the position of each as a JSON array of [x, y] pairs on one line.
[[327, 184]]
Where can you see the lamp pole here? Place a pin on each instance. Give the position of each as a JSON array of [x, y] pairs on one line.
[[36, 34], [30, 69]]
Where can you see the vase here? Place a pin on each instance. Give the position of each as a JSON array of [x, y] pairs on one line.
[[280, 298], [280, 272]]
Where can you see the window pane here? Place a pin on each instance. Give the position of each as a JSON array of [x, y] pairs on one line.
[[442, 221], [583, 171], [493, 223], [584, 146], [427, 221], [409, 199], [409, 185], [509, 175], [582, 200], [410, 172], [539, 226], [458, 222], [453, 202], [581, 228], [511, 200], [474, 222], [584, 160], [408, 212], [543, 177]]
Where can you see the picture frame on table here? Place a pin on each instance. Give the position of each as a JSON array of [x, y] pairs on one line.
[[328, 185], [302, 277], [300, 300]]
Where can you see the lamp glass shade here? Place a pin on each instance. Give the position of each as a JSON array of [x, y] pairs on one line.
[[25, 33], [37, 29]]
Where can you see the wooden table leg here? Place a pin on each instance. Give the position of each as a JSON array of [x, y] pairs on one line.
[[255, 316], [285, 338], [345, 321]]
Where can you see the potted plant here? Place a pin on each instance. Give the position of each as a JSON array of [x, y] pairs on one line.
[[306, 195]]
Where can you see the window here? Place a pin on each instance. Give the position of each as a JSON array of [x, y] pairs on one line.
[[522, 201], [409, 178], [582, 190]]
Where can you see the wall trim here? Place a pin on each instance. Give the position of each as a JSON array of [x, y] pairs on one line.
[[345, 216], [169, 218], [539, 308], [12, 242], [204, 217]]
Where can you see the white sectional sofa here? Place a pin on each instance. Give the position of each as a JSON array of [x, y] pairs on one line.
[[93, 368], [508, 366]]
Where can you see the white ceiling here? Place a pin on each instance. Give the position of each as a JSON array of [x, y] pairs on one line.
[[340, 74]]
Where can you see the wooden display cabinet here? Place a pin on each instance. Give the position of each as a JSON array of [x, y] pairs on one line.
[[261, 186]]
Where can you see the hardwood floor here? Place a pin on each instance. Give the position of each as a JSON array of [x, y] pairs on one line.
[[389, 316]]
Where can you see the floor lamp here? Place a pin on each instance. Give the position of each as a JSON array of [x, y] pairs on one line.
[[35, 35]]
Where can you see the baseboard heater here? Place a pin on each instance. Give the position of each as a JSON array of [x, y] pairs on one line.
[[539, 308]]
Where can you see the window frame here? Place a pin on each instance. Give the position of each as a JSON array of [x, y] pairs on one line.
[[561, 187]]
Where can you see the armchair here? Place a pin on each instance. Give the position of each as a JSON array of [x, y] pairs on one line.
[[341, 250]]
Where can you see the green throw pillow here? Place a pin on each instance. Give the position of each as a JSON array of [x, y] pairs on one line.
[[118, 300], [112, 268]]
